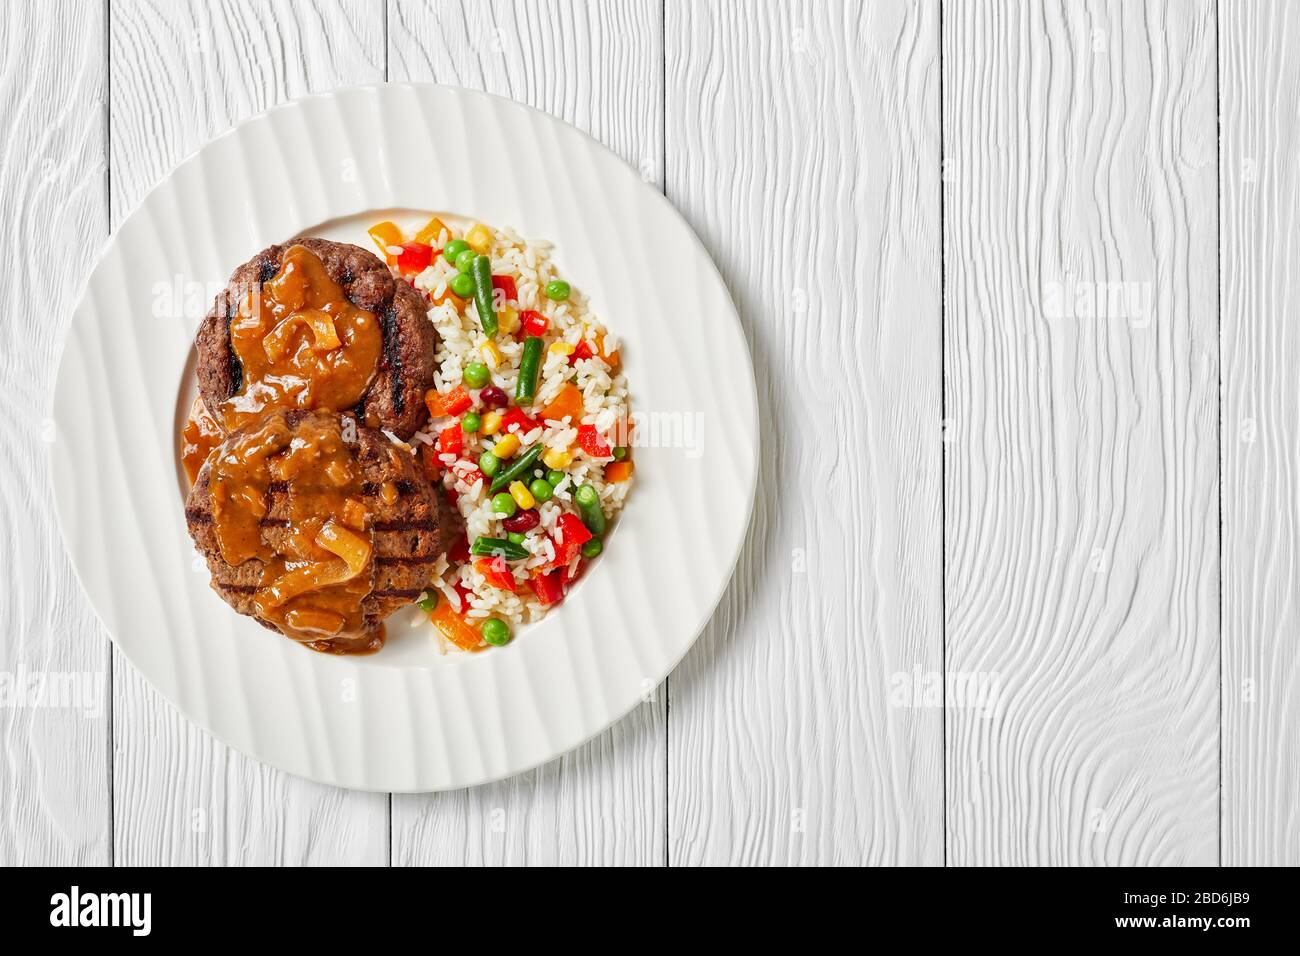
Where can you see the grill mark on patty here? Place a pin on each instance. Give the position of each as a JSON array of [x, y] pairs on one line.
[[393, 355], [404, 487], [405, 560], [195, 516], [406, 524], [368, 488], [236, 366], [397, 593]]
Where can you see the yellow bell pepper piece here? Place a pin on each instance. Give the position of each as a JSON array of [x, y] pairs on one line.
[[508, 321], [561, 348], [431, 231], [385, 234], [479, 239]]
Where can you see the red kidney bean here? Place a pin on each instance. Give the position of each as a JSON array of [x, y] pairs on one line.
[[522, 521], [493, 397]]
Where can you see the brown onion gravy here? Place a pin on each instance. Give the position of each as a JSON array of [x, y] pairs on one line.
[[292, 498], [301, 343]]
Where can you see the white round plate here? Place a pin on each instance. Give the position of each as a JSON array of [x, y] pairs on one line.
[[407, 718]]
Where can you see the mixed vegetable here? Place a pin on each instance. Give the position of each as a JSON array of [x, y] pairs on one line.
[[492, 442]]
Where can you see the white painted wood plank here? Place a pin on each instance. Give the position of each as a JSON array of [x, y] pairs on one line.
[[1081, 475], [803, 147], [1260, 189], [180, 74], [53, 205], [598, 66]]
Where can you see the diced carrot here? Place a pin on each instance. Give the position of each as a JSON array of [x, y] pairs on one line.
[[568, 402], [612, 359], [618, 471], [454, 627], [448, 296]]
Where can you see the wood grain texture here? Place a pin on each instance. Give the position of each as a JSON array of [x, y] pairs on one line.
[[803, 148], [180, 74], [1080, 481], [599, 67], [1260, 216], [54, 768]]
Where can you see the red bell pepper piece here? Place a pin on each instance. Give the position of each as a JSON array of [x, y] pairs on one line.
[[571, 535], [496, 572], [506, 286], [415, 257], [515, 417], [451, 440], [582, 350], [448, 403], [548, 585], [464, 594], [577, 572], [459, 550], [533, 323], [590, 441]]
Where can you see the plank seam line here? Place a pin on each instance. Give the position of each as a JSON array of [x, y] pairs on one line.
[[943, 463], [663, 172], [108, 209], [1218, 257]]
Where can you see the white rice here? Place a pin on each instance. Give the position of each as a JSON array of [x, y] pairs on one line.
[[604, 403]]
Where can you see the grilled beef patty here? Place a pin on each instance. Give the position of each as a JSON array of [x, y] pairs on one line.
[[407, 534], [395, 399]]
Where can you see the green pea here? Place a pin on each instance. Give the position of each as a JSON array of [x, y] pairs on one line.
[[465, 260], [429, 601], [620, 453], [475, 375], [515, 537], [541, 489], [454, 248], [489, 463], [470, 423], [557, 290], [495, 631], [592, 548], [503, 504], [553, 478], [462, 285]]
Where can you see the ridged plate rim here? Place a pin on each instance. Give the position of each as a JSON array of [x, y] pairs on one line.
[[366, 723]]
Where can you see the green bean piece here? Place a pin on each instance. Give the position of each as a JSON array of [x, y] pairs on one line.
[[485, 547], [588, 502], [482, 274], [518, 468], [529, 365]]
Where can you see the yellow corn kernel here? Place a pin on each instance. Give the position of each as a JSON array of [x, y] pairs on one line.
[[491, 353], [523, 497], [492, 422], [561, 348], [557, 459], [507, 446], [508, 321], [479, 239], [385, 234], [431, 231]]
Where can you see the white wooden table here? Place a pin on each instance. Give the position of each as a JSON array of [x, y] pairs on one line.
[[1018, 283]]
